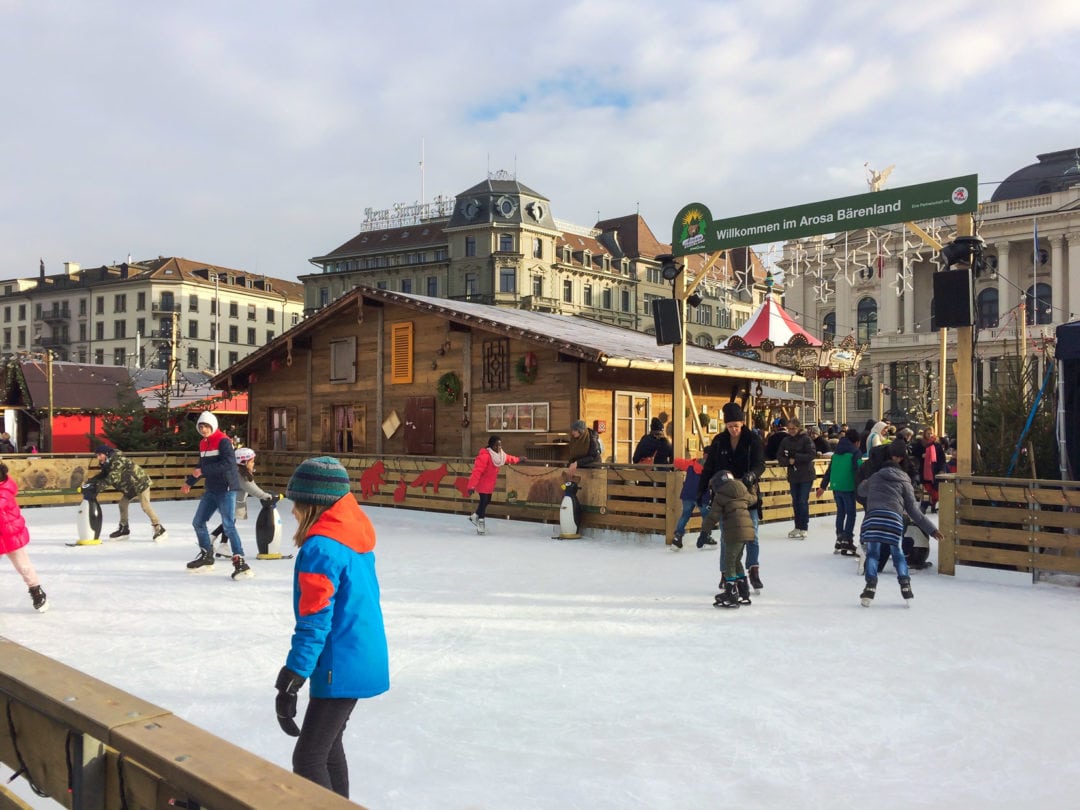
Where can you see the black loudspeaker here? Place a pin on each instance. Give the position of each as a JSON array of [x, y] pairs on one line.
[[665, 314], [952, 298]]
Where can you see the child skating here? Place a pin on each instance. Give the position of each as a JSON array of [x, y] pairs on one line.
[[485, 472], [733, 500], [889, 494], [14, 537]]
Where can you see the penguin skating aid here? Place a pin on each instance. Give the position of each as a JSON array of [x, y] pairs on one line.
[[88, 518]]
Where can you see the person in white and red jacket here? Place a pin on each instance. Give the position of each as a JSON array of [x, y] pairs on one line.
[[217, 466], [485, 472]]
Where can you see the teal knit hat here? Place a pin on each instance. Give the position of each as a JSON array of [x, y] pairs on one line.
[[319, 480]]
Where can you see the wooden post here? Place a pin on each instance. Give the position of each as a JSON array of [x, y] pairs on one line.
[[965, 410], [947, 525]]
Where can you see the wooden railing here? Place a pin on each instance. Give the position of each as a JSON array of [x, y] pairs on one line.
[[1011, 523], [87, 744], [637, 499]]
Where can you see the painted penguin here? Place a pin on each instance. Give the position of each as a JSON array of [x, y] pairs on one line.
[[88, 519], [570, 512], [268, 531]]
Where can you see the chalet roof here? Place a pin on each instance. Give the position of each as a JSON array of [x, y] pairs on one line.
[[604, 344], [75, 386]]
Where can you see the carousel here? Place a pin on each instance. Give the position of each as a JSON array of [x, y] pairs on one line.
[[773, 336]]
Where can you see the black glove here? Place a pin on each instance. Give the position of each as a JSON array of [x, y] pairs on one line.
[[270, 499], [749, 480], [288, 684]]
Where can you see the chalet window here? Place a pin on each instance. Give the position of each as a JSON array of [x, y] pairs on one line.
[[519, 417], [282, 423], [344, 428], [496, 354], [401, 353], [343, 360]]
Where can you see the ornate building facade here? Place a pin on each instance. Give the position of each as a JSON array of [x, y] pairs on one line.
[[878, 284], [499, 243]]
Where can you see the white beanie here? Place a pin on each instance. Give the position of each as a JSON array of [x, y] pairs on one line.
[[207, 418]]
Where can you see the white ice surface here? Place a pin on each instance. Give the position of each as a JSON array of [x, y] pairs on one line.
[[595, 674]]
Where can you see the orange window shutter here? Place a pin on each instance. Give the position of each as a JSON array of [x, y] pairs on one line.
[[401, 353]]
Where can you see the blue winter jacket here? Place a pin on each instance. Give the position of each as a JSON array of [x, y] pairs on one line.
[[339, 642]]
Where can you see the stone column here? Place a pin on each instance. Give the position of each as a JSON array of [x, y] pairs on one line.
[[1059, 291], [1007, 293], [1072, 310]]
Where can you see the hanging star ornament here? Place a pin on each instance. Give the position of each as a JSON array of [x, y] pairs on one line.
[[823, 291]]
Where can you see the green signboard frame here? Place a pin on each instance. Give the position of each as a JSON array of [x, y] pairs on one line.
[[694, 230]]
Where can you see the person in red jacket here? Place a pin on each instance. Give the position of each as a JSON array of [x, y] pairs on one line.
[[484, 473], [14, 537]]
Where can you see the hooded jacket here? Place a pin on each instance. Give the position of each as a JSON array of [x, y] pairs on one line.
[[339, 641], [746, 460], [123, 474], [890, 490], [799, 447], [13, 532], [217, 462], [840, 473]]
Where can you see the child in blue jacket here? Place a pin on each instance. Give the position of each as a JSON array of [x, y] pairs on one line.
[[691, 500], [339, 642]]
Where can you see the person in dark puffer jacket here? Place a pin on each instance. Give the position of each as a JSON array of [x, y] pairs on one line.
[[121, 473], [339, 643], [654, 445]]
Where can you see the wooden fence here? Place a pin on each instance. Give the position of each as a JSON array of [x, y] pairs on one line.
[[91, 746], [626, 498], [1010, 523]]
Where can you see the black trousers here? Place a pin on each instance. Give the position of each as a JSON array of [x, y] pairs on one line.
[[319, 755]]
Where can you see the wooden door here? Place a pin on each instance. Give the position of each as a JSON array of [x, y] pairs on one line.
[[632, 414], [420, 426]]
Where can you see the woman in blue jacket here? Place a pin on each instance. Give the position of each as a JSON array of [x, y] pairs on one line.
[[339, 642]]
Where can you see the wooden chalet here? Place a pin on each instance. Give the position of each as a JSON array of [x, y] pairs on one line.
[[390, 373]]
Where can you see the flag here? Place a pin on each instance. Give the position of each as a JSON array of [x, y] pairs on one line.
[[1035, 248]]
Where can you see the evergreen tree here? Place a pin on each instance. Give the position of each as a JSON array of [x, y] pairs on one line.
[[127, 426], [1000, 418]]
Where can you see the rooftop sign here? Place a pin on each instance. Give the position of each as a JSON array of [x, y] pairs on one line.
[[695, 231]]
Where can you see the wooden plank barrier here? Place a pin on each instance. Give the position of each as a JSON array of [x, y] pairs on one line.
[[626, 498], [92, 746], [1009, 523]]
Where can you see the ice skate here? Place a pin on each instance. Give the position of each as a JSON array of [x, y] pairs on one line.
[[474, 519], [867, 596], [204, 562], [793, 534], [705, 539], [241, 570], [676, 542], [727, 598], [121, 531], [743, 589], [481, 526], [37, 596], [160, 535], [905, 590], [755, 579]]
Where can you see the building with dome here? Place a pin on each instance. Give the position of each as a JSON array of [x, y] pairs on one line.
[[877, 284]]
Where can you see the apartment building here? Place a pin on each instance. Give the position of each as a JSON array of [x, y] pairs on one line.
[[147, 314]]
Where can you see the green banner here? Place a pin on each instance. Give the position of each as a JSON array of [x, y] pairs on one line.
[[694, 230]]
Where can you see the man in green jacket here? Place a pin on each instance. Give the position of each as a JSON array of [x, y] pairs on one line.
[[122, 474]]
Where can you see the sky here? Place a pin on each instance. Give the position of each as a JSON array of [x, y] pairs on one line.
[[254, 135], [534, 674]]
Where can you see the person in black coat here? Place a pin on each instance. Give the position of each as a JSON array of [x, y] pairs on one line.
[[739, 450], [772, 443], [796, 455], [654, 445]]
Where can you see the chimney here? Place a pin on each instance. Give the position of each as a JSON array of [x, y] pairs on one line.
[[124, 270]]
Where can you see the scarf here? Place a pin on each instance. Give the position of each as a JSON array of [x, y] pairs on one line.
[[498, 458], [929, 458]]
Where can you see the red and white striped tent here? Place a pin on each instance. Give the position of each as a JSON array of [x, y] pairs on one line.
[[769, 322]]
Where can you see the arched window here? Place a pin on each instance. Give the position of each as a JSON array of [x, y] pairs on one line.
[[867, 327], [828, 397], [828, 326], [864, 393], [986, 304], [1039, 302], [705, 339]]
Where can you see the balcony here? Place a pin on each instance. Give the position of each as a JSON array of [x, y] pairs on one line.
[[53, 341], [165, 307], [541, 303], [56, 315]]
